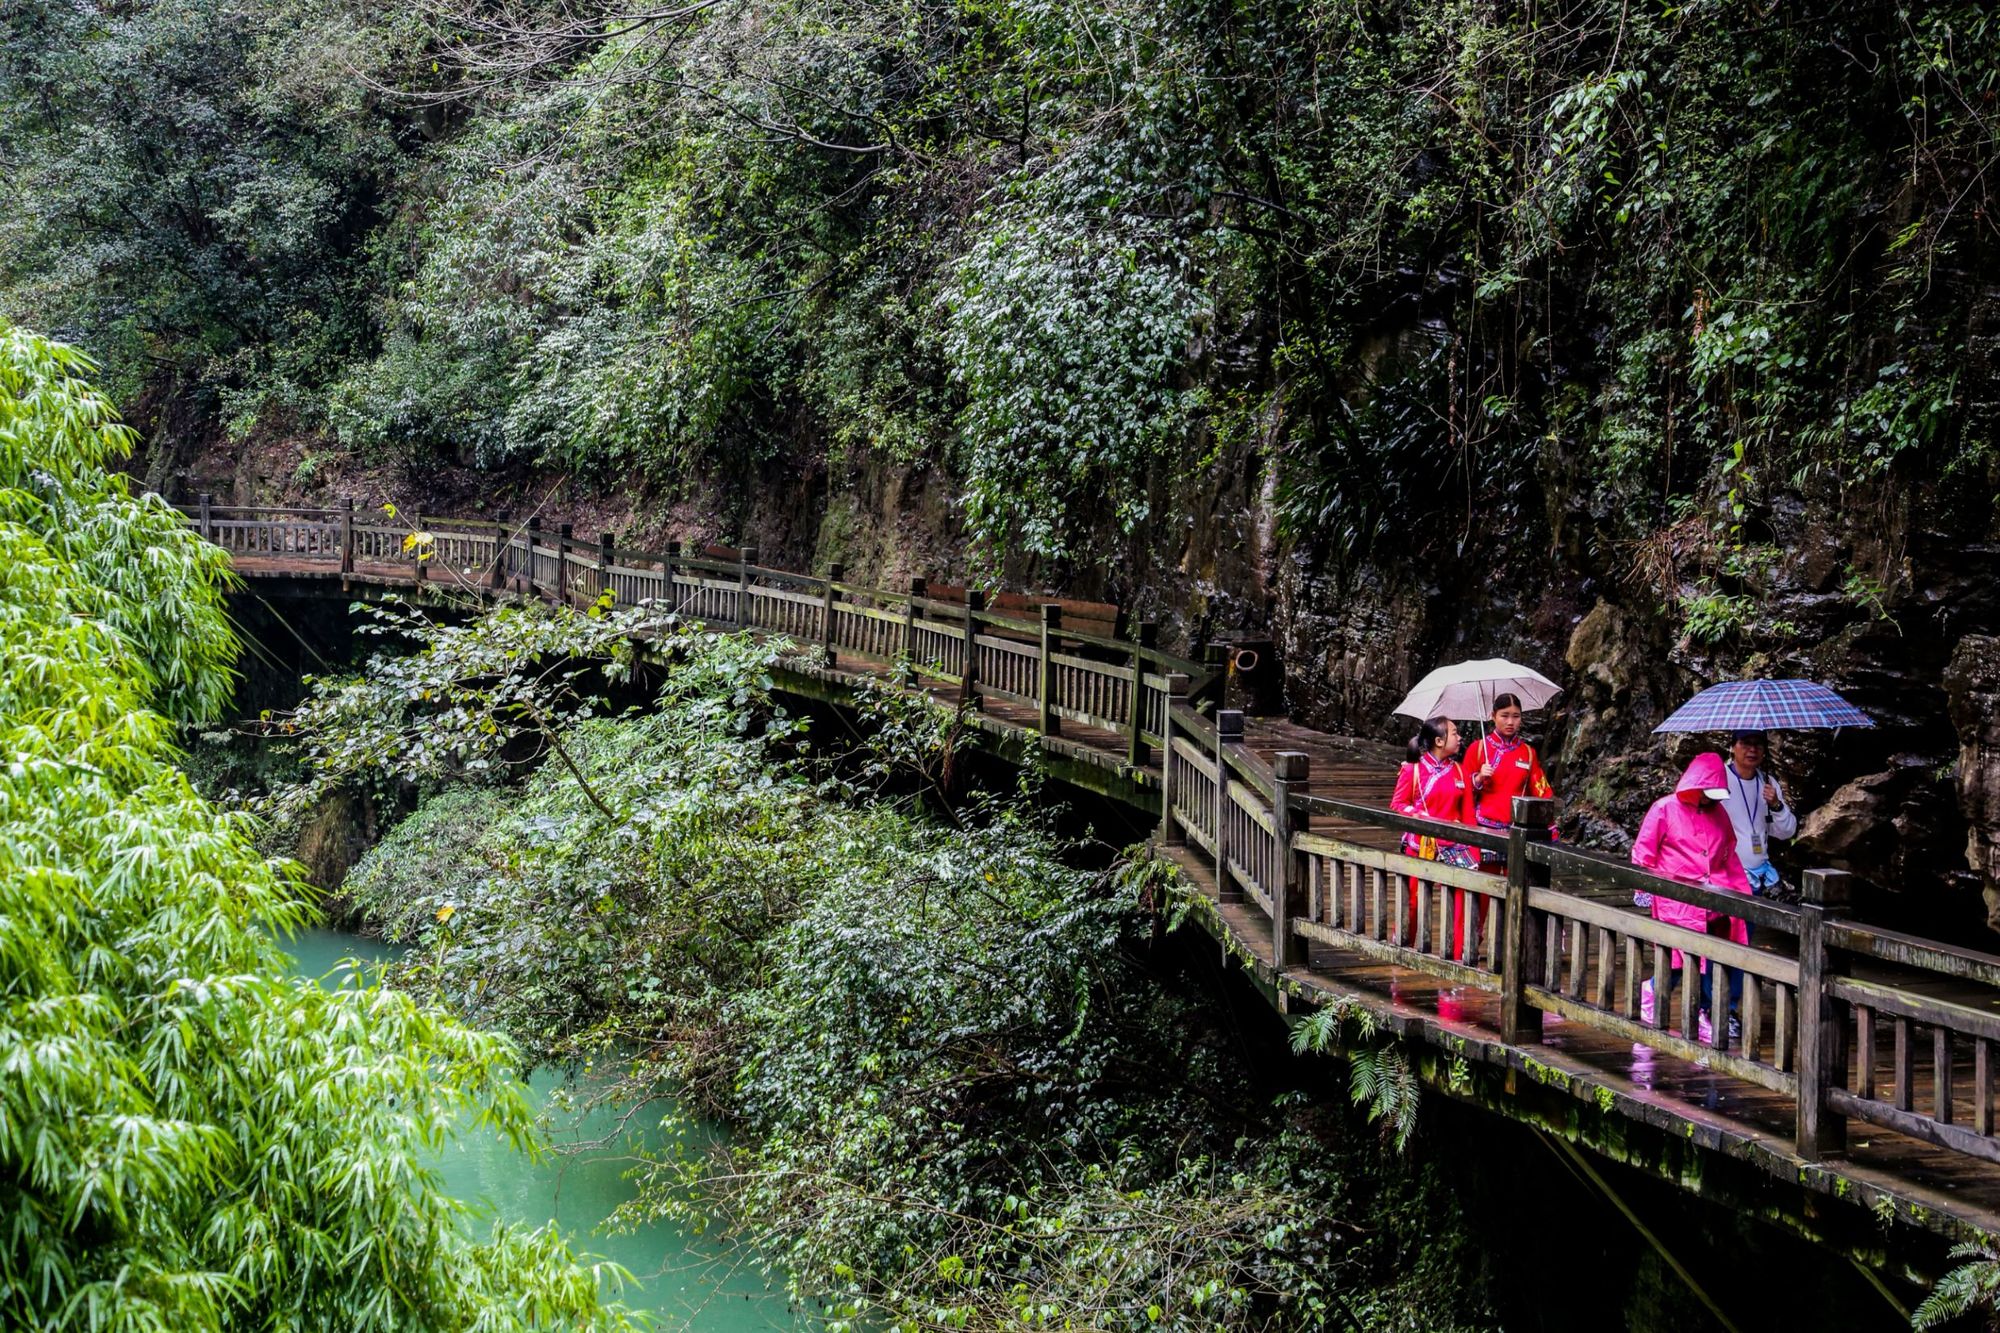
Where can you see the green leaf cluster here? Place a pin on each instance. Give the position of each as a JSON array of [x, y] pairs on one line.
[[190, 1138]]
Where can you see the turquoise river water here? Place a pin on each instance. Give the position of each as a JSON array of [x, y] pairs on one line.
[[684, 1282]]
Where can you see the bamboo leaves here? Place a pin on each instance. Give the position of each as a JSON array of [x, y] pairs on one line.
[[188, 1138]]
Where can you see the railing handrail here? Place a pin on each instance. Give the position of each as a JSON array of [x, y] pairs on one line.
[[1625, 875], [1914, 951], [1357, 812]]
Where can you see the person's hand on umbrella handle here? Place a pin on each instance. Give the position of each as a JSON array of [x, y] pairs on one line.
[[1771, 794], [1486, 772]]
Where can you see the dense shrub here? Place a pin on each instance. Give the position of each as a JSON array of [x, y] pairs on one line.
[[189, 1137], [939, 1041]]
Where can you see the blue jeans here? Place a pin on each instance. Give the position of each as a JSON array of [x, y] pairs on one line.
[[1715, 927], [1708, 989], [1763, 879]]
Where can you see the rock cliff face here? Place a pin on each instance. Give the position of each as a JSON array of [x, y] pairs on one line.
[[1972, 683], [1859, 592]]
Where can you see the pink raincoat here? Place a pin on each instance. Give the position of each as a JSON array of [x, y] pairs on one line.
[[1683, 840]]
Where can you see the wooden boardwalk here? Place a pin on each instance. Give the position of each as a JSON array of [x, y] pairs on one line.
[[1861, 1084]]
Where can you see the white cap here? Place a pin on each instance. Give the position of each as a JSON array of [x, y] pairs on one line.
[[1716, 793]]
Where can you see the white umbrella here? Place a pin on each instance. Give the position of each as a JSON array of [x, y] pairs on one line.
[[1468, 689]]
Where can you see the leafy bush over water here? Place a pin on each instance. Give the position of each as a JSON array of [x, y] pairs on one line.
[[966, 1093], [189, 1138]]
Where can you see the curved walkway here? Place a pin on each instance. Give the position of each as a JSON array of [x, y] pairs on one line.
[[1863, 1069]]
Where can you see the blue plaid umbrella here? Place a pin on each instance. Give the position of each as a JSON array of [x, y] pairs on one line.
[[1765, 705]]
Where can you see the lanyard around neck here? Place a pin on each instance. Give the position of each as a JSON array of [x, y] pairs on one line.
[[1751, 791]]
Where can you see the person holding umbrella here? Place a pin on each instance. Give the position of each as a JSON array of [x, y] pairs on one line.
[[1757, 808], [1462, 690], [1687, 836], [1502, 766], [1747, 710]]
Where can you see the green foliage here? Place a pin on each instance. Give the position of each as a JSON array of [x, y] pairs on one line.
[[1971, 1288], [1712, 616], [1403, 267], [1379, 1078], [938, 1042], [458, 707], [191, 189], [1067, 336], [192, 1139], [135, 566]]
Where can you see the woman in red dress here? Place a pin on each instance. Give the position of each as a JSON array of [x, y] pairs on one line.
[[1433, 785], [1503, 766]]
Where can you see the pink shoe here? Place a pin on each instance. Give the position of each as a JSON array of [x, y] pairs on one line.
[[1646, 1003], [1704, 1030]]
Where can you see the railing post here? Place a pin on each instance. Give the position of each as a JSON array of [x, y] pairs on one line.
[[911, 615], [1821, 1131], [667, 593], [528, 555], [563, 534], [1148, 635], [1228, 732], [496, 577], [1292, 769], [745, 557], [667, 573], [1215, 662], [968, 680], [1521, 945], [207, 523], [607, 550], [1045, 678], [1177, 694], [347, 536], [835, 573]]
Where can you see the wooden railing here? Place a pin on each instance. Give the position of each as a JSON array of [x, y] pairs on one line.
[[1114, 684], [1548, 930], [1557, 934]]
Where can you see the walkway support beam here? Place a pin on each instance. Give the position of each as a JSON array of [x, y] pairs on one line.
[[563, 531], [836, 574], [1177, 697], [912, 613], [1045, 670], [1521, 944], [1136, 752], [1821, 1131], [968, 681], [745, 557], [496, 577], [1228, 732], [1291, 771]]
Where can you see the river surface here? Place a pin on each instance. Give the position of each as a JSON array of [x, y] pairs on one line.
[[685, 1283]]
